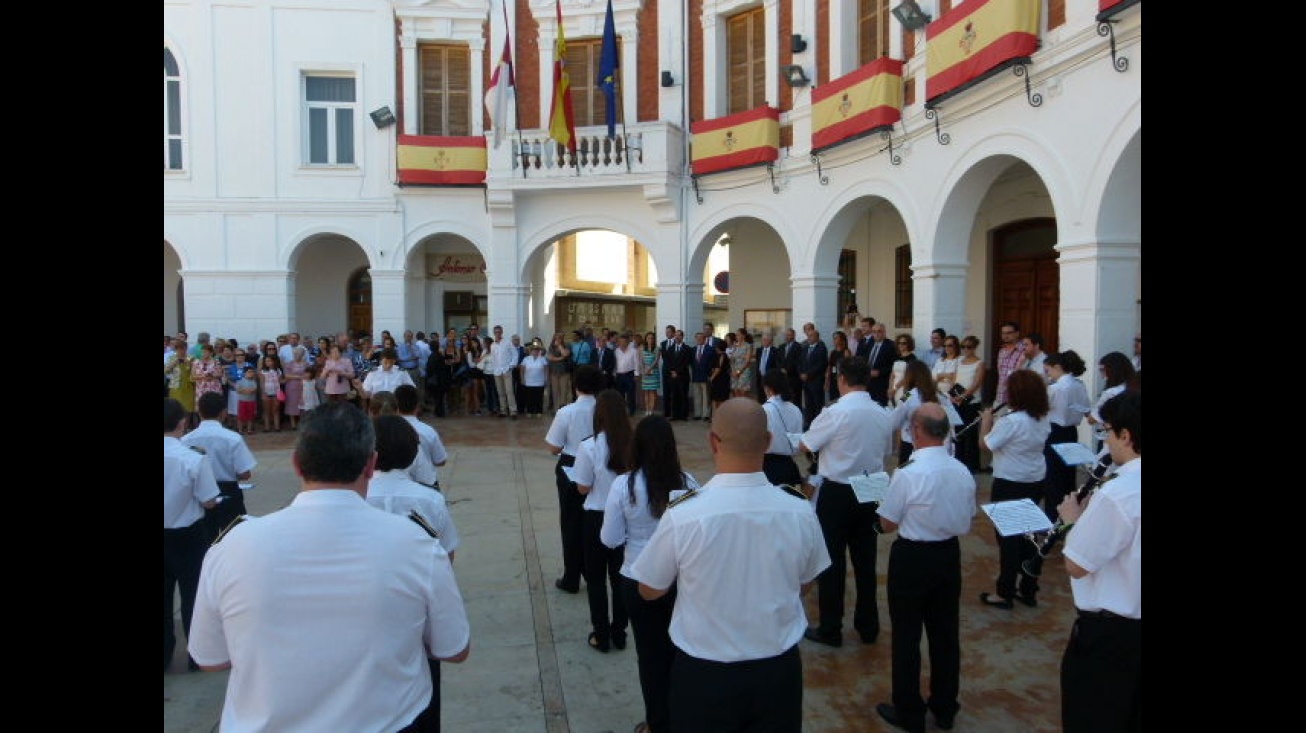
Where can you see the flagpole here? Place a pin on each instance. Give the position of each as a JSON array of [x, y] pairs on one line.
[[621, 112], [516, 105]]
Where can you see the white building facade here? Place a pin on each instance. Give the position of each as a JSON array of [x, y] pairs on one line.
[[1017, 197]]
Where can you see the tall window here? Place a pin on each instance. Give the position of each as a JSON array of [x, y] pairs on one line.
[[847, 280], [171, 113], [446, 90], [902, 292], [872, 30], [330, 110], [746, 42], [587, 100]]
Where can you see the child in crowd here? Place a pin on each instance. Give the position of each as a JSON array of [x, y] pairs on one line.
[[271, 377], [311, 398], [246, 401]]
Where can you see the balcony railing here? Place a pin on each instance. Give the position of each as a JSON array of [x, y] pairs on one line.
[[647, 149]]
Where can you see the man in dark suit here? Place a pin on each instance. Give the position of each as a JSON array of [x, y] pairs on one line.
[[880, 357], [666, 348], [863, 346], [607, 361], [815, 360], [768, 360], [791, 361], [679, 361]]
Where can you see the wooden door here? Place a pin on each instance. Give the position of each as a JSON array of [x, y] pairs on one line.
[[1026, 283]]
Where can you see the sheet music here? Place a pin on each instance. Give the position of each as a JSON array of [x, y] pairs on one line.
[[870, 487], [794, 439], [1074, 454], [1017, 517]]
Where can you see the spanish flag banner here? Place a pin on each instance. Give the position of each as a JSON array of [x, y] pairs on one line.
[[432, 160], [856, 104], [1108, 8], [975, 38], [735, 141]]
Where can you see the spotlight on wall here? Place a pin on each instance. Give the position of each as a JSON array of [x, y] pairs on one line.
[[910, 15], [797, 44], [382, 117], [667, 81], [796, 76]]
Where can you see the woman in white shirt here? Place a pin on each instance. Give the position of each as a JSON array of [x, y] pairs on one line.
[[636, 502], [601, 458], [1017, 440], [919, 388], [534, 378], [1067, 405]]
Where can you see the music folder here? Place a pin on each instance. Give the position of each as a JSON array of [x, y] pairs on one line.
[[1019, 516]]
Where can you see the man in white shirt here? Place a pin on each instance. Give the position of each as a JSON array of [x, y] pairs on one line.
[[503, 362], [388, 377], [628, 363], [572, 424], [229, 456], [735, 668], [364, 596]]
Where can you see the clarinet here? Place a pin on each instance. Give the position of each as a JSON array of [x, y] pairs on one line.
[[996, 409], [1033, 567]]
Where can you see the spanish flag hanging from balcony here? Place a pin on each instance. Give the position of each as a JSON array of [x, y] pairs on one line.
[[867, 100], [1108, 8], [735, 141], [432, 160], [975, 38]]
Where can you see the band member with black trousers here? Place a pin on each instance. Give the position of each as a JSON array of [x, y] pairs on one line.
[[572, 424], [1067, 405]]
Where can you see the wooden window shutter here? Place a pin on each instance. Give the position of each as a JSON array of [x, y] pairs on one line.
[[872, 30], [746, 41], [1056, 13], [446, 90]]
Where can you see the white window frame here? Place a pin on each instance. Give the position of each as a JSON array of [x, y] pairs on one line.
[[180, 135], [332, 108]]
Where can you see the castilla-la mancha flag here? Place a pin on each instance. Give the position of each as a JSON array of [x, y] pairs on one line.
[[975, 37], [735, 141], [867, 100]]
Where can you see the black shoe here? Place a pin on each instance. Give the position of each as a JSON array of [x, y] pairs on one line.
[[945, 723], [560, 585], [191, 665], [997, 601], [815, 634], [868, 637], [1027, 599], [891, 716], [599, 642], [619, 639]]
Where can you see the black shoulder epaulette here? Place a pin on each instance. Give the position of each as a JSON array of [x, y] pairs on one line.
[[792, 490], [197, 449], [421, 522], [239, 518], [682, 497]]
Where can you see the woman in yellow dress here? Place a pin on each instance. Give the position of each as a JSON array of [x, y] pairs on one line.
[[177, 369]]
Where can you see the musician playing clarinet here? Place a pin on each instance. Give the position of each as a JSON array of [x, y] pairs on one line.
[[1101, 670]]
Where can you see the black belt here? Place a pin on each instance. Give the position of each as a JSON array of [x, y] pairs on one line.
[[1104, 614], [566, 460], [779, 455], [909, 541]]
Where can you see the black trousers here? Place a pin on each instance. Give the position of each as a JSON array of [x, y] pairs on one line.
[[967, 448], [675, 392], [1102, 676], [602, 572], [183, 556], [231, 506], [813, 401], [650, 622], [533, 404], [571, 509], [924, 588], [757, 695], [1014, 550], [848, 527], [780, 469], [1060, 477], [625, 382]]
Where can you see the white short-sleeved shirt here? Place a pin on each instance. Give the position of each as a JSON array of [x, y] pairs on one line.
[[431, 445], [396, 493], [187, 483], [383, 380], [632, 524], [1017, 442], [1107, 541], [739, 552], [852, 435], [326, 611], [782, 418], [535, 371], [931, 497], [228, 454], [572, 424], [1067, 401], [1107, 394], [592, 470]]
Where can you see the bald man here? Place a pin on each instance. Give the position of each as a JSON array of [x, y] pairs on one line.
[[930, 503], [737, 545]]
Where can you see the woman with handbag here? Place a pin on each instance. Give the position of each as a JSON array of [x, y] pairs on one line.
[[970, 377], [475, 377], [560, 365]]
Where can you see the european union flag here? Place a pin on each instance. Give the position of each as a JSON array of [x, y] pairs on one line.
[[608, 70]]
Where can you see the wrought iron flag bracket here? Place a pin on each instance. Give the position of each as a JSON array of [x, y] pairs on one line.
[[693, 181], [933, 114], [824, 179], [770, 169], [1035, 99], [1107, 28], [893, 157]]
